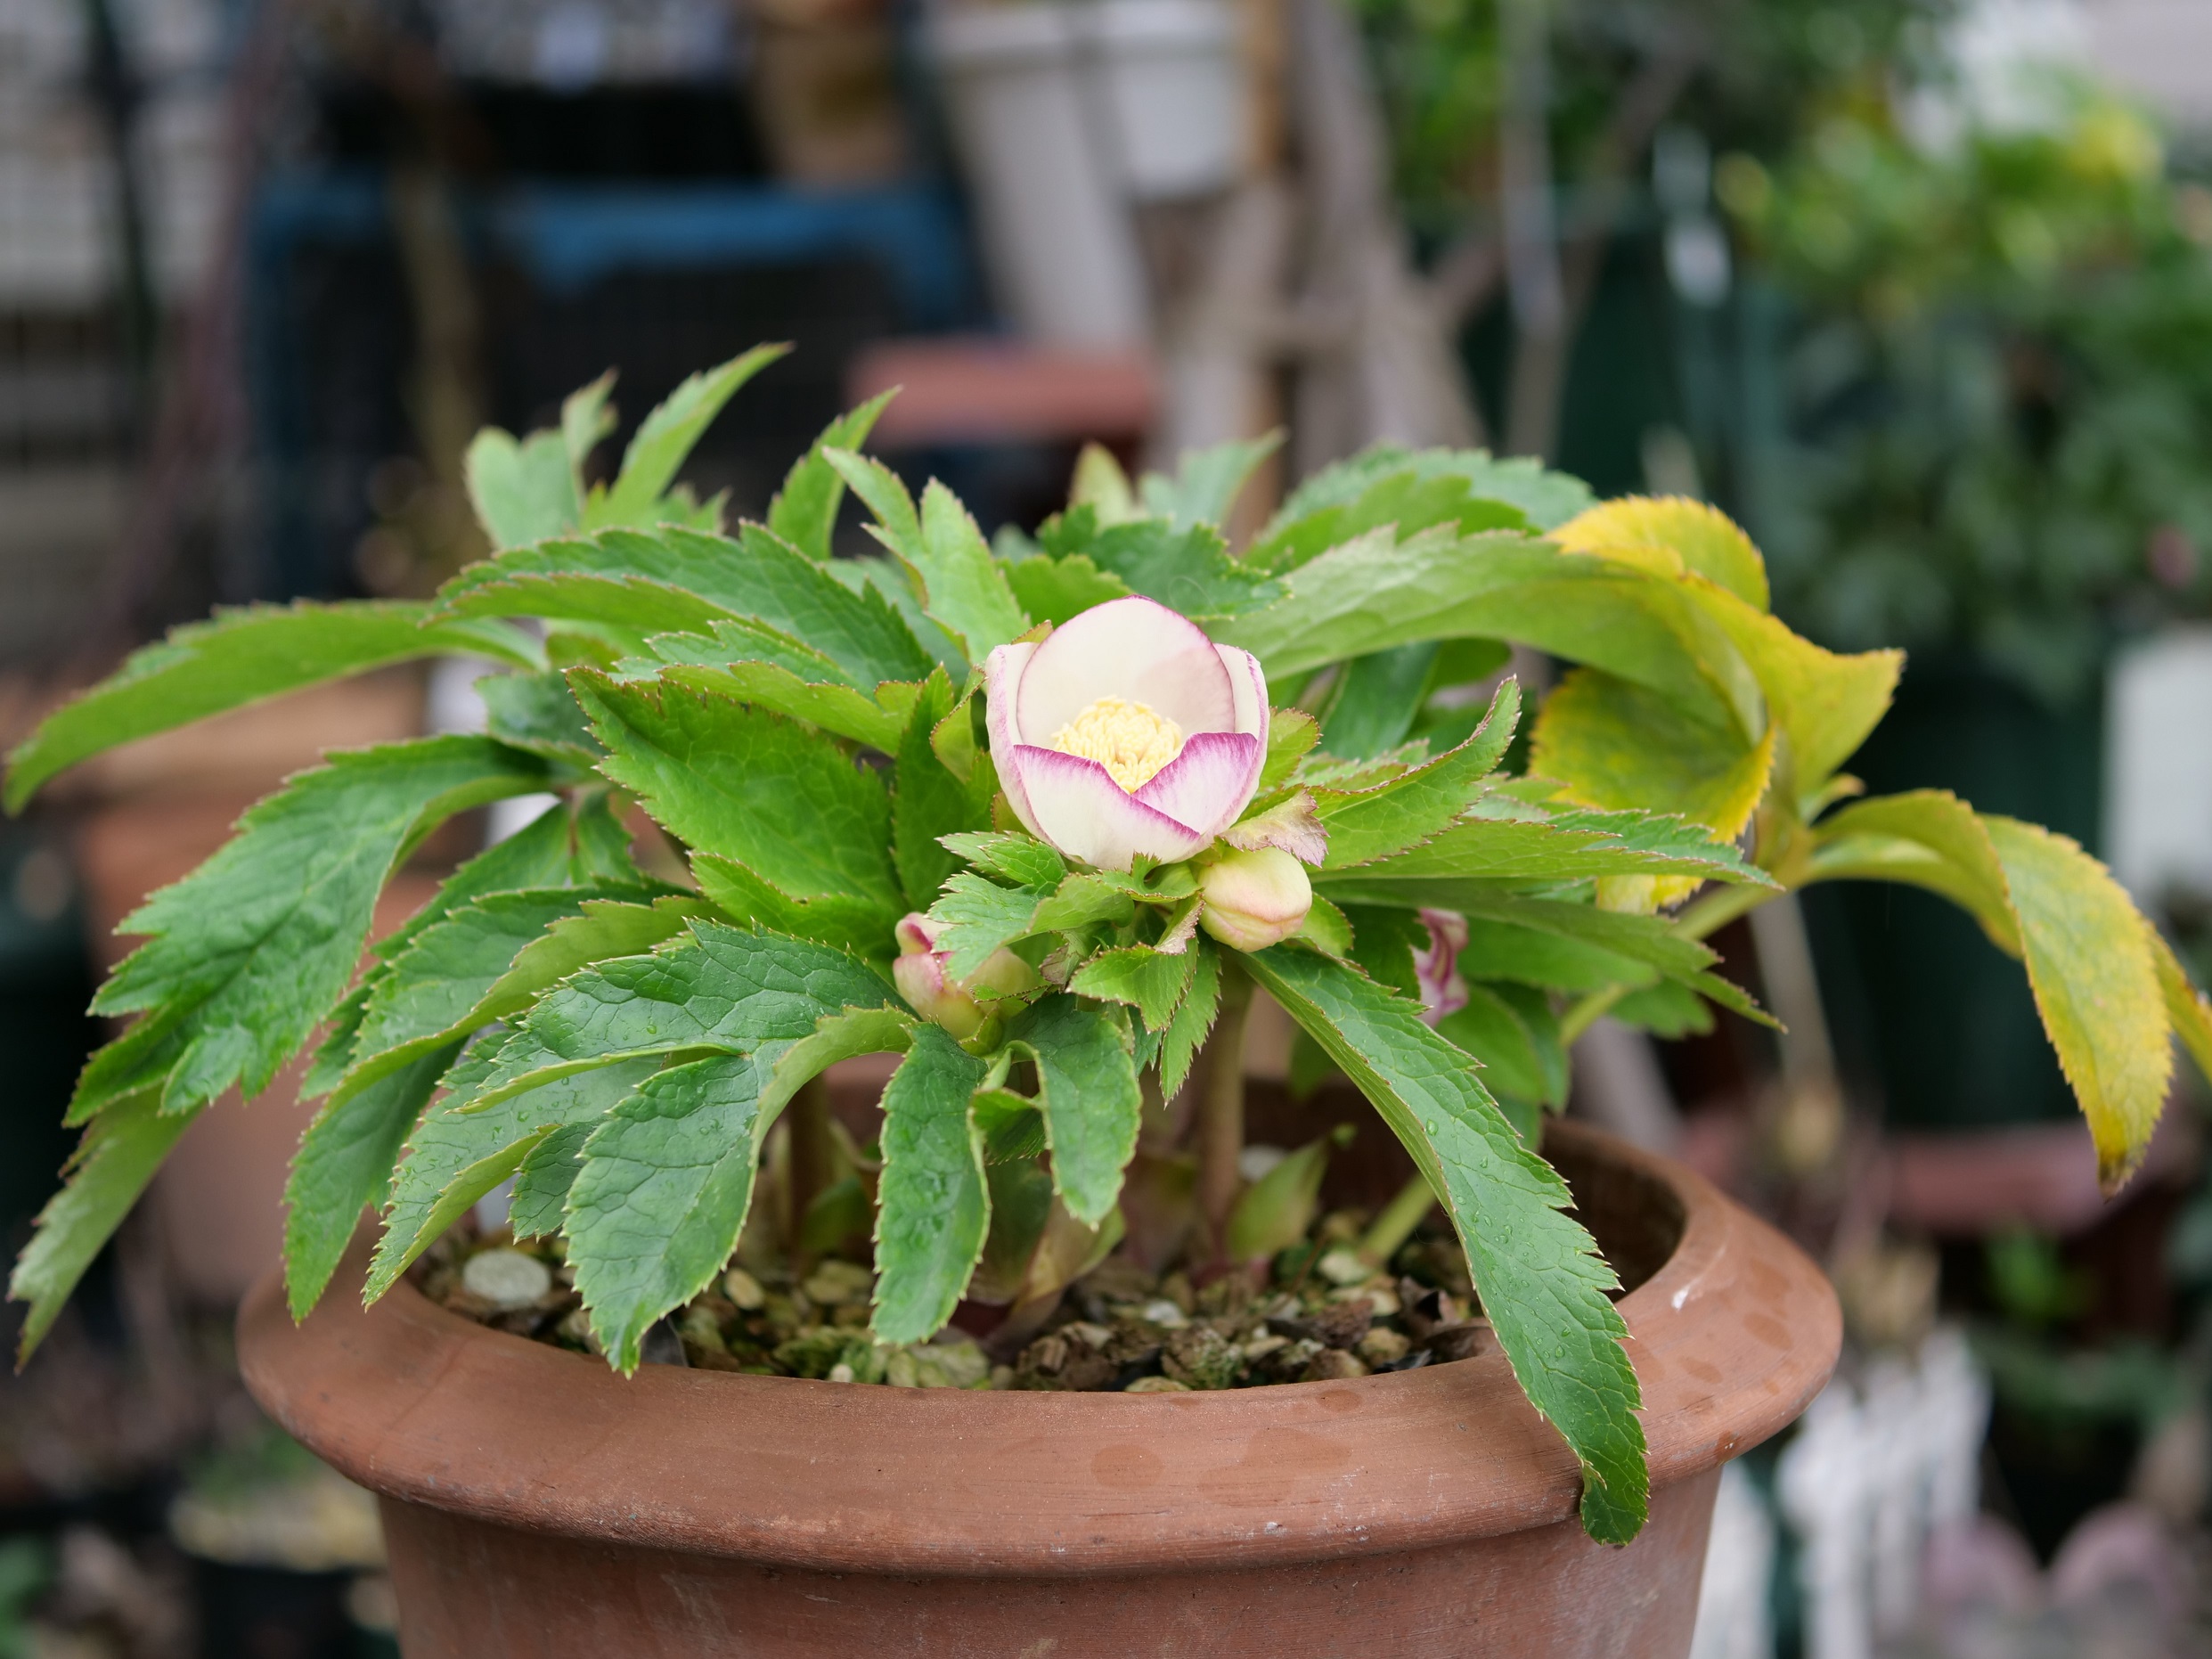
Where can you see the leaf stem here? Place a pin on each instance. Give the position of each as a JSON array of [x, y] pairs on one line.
[[1395, 1224], [1222, 1109]]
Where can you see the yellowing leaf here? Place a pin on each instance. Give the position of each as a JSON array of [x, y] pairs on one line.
[[1928, 839], [1707, 541], [2185, 1005], [1614, 744], [2095, 977]]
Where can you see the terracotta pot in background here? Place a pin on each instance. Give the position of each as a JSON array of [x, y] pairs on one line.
[[536, 1504]]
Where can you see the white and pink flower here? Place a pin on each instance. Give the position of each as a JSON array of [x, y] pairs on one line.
[[1127, 733]]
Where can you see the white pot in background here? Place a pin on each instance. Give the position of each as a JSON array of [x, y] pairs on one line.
[[1065, 114]]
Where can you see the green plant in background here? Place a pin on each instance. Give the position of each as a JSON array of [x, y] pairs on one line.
[[1039, 821], [2003, 379]]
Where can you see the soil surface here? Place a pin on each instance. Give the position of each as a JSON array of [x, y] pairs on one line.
[[1317, 1311]]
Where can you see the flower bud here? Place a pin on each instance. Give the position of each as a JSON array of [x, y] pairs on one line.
[[919, 973], [1251, 899]]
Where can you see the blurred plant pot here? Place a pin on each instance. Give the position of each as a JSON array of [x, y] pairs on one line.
[[1067, 114], [158, 808], [537, 1503]]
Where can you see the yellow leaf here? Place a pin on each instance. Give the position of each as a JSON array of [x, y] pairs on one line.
[[1930, 838], [1615, 744], [1704, 539], [2096, 976], [2185, 1005]]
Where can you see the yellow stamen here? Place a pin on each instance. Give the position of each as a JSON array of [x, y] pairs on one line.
[[1129, 740]]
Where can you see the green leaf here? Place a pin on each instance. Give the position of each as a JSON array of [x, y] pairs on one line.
[[804, 512], [1187, 1033], [1186, 567], [535, 711], [1375, 699], [606, 927], [1373, 594], [1480, 854], [1645, 939], [344, 1164], [858, 926], [885, 580], [1087, 1090], [1537, 957], [934, 1209], [524, 491], [537, 1203], [1547, 499], [455, 1155], [1021, 859], [1666, 1009], [1152, 982], [1275, 1212], [928, 805], [1705, 540], [835, 707], [666, 436], [1404, 501], [1372, 824], [1059, 589], [111, 1165], [247, 954], [979, 915], [1541, 1279], [1512, 1031], [723, 988], [749, 786], [439, 988], [1208, 481], [661, 1195], [943, 553], [240, 657]]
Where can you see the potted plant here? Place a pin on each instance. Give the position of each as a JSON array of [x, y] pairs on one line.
[[1037, 821]]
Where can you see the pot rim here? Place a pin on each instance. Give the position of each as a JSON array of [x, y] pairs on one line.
[[1731, 1338]]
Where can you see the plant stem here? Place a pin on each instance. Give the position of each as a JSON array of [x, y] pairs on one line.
[[1222, 1109], [1396, 1222], [813, 1156]]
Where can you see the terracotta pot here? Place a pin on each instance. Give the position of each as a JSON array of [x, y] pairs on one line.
[[536, 1504]]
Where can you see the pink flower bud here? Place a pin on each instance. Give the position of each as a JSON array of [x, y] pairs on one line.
[[921, 974], [1251, 899]]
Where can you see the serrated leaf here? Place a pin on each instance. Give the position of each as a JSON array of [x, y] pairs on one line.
[[1645, 939], [111, 1167], [535, 711], [1373, 594], [1207, 481], [750, 786], [537, 1203], [1011, 1125], [1376, 699], [1088, 1093], [1541, 1279], [1186, 567], [1152, 982], [245, 956], [724, 988], [523, 490], [2185, 1005], [605, 928], [1706, 540], [928, 805], [804, 512], [344, 1165], [1505, 951], [666, 1179], [1021, 859], [1404, 501], [859, 926], [835, 708], [1512, 1033], [666, 436], [933, 1207], [1547, 498], [1187, 1033], [1373, 823], [239, 657], [978, 916], [1059, 589], [1291, 733], [455, 1155], [944, 555]]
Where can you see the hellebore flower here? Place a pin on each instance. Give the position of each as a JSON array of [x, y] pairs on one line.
[[1249, 900], [1437, 969], [919, 973], [1127, 731]]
